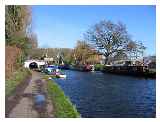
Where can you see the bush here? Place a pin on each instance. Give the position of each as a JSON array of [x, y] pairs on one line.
[[99, 67], [62, 104]]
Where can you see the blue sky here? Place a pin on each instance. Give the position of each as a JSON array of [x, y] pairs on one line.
[[62, 26]]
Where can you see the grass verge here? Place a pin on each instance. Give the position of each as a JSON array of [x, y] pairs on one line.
[[99, 67], [13, 81], [63, 108]]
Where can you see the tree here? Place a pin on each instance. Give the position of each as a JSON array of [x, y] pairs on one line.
[[131, 49], [84, 54], [41, 53], [135, 49], [120, 56], [113, 41], [17, 24], [109, 38], [18, 29], [141, 48], [32, 40]]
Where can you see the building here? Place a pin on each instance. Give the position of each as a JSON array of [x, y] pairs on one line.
[[48, 60], [150, 61], [34, 63]]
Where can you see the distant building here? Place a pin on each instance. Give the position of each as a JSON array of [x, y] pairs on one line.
[[48, 60], [101, 59], [150, 61], [126, 63], [34, 63]]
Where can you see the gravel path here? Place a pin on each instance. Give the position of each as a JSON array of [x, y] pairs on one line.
[[26, 106]]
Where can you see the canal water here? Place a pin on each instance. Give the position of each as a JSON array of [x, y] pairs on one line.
[[106, 95]]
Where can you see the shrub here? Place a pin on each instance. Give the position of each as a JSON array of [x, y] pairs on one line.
[[99, 67]]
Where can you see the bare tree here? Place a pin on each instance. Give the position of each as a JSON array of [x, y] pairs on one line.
[[33, 40], [109, 38], [120, 56], [135, 49]]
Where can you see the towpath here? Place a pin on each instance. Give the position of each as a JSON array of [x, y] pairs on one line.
[[26, 107]]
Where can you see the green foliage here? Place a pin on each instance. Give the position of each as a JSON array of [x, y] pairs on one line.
[[18, 31], [68, 62], [62, 105], [99, 67], [18, 27], [83, 53], [18, 20], [20, 60], [14, 80]]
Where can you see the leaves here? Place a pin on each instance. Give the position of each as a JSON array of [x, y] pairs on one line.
[[18, 30], [84, 53]]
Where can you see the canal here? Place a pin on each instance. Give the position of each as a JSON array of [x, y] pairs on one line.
[[106, 95]]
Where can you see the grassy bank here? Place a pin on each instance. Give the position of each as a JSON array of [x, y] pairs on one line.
[[15, 79], [99, 67], [63, 108]]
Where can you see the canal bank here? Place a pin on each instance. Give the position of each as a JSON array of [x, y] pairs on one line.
[[29, 104], [14, 86], [136, 71], [63, 108], [40, 97], [98, 94], [95, 94]]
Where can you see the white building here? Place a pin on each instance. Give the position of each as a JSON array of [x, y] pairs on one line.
[[36, 63]]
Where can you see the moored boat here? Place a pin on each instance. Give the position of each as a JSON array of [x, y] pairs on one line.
[[61, 76]]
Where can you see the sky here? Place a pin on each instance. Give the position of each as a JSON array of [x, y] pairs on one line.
[[61, 26]]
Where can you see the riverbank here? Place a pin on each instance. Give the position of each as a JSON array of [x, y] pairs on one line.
[[63, 108], [136, 71], [17, 78], [105, 95], [27, 102], [14, 87]]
